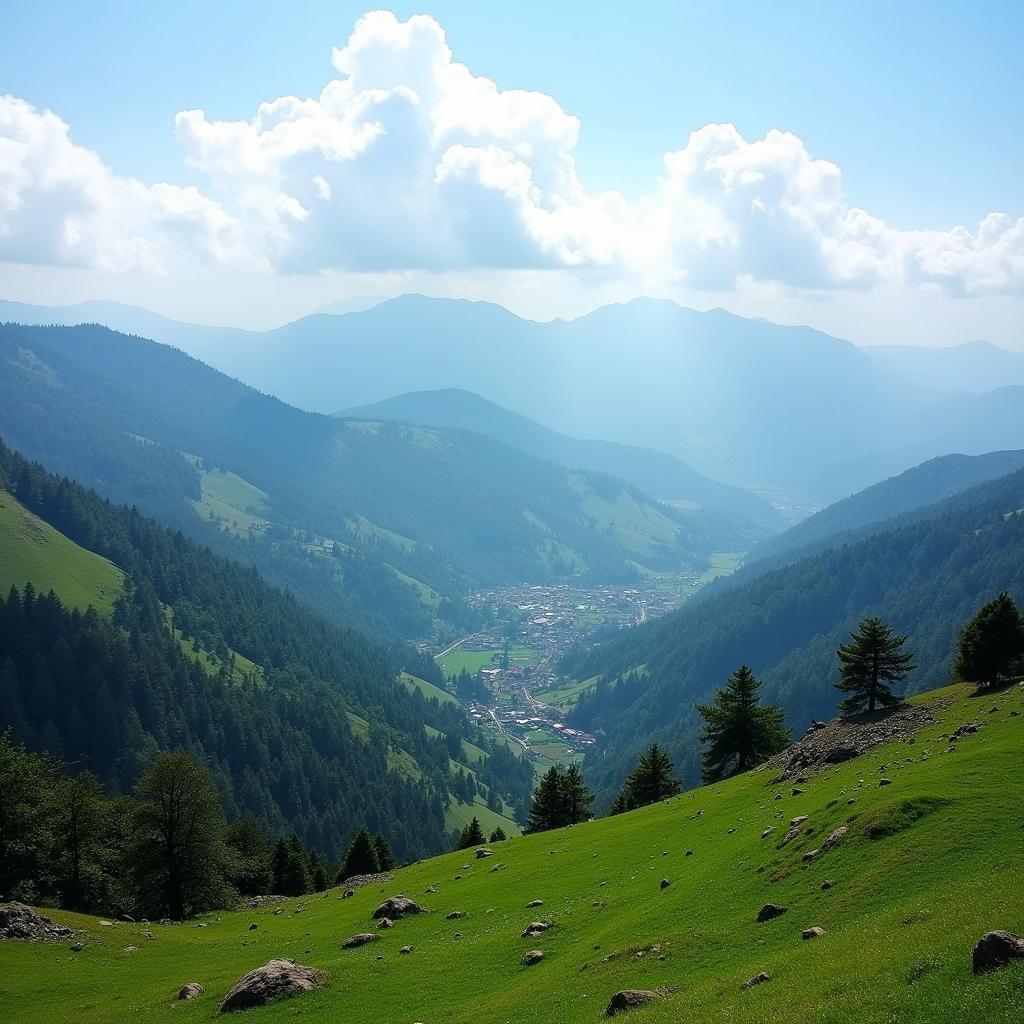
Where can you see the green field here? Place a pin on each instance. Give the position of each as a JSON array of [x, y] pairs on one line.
[[429, 690], [235, 503], [33, 550], [567, 696], [930, 863], [364, 529], [472, 661]]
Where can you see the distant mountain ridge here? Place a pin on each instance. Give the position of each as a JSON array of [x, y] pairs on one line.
[[656, 473], [743, 401]]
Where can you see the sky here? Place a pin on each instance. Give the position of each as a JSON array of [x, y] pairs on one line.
[[856, 167]]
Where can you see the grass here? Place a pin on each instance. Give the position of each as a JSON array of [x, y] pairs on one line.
[[32, 550], [429, 690], [567, 696], [234, 502], [365, 530], [905, 908], [472, 661]]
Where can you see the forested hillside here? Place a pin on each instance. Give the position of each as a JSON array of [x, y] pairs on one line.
[[925, 575], [377, 524], [305, 724]]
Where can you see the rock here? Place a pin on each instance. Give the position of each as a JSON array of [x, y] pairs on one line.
[[533, 957], [631, 998], [665, 883], [885, 782], [797, 821], [534, 903], [405, 950], [253, 926], [193, 990], [130, 949], [997, 949], [396, 907], [146, 934], [834, 838], [20, 922], [767, 832], [454, 915], [348, 894], [384, 923], [757, 979], [812, 933], [770, 911], [258, 902], [689, 853], [793, 833], [796, 791], [809, 856], [484, 852], [276, 979], [826, 885], [535, 929], [361, 939], [76, 947]]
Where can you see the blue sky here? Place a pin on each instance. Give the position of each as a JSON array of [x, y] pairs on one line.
[[918, 104]]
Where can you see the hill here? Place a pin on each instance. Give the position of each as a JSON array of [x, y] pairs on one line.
[[663, 476], [786, 410], [925, 573], [925, 867], [975, 366], [373, 522], [307, 726], [916, 488]]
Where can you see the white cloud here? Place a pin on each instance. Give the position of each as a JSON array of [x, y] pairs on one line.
[[60, 204], [410, 162]]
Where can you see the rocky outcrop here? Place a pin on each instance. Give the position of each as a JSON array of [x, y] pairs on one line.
[[533, 957], [193, 990], [770, 911], [275, 980], [631, 998], [396, 907], [361, 939], [20, 922], [997, 949]]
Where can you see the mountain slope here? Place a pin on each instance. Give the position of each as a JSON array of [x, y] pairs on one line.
[[342, 511], [917, 487], [926, 577], [976, 366], [200, 653], [926, 867], [653, 472]]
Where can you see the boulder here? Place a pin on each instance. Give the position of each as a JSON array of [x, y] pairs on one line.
[[770, 911], [484, 852], [757, 979], [997, 949], [834, 838], [534, 903], [396, 907], [631, 998], [361, 939], [665, 883], [405, 950], [384, 923], [885, 782], [193, 990], [275, 980], [253, 926], [533, 957], [20, 922], [76, 947], [454, 915], [535, 928], [812, 933]]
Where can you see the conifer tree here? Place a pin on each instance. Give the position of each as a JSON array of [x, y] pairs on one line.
[[498, 835], [870, 663], [547, 810], [741, 732], [991, 642], [361, 857], [251, 872], [385, 858], [576, 796], [650, 781], [472, 835]]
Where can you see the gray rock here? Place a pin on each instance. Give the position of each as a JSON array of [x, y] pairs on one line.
[[665, 883], [484, 852], [193, 990], [76, 947], [534, 903], [384, 923], [396, 907], [996, 949], [885, 782], [533, 957], [535, 928], [253, 926], [276, 979], [770, 911], [361, 939], [812, 933], [405, 950], [20, 922], [631, 998], [454, 915], [757, 979]]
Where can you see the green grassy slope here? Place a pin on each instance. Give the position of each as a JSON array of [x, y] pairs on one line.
[[900, 919], [32, 550]]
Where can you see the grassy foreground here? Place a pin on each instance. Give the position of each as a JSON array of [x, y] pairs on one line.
[[930, 863]]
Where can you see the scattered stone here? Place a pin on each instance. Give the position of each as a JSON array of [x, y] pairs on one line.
[[146, 934], [631, 998], [259, 902], [996, 949], [834, 838], [276, 979], [797, 821], [193, 990], [360, 881], [484, 852], [796, 791], [770, 911], [809, 856], [454, 915], [253, 926], [405, 950], [885, 782], [396, 907], [689, 853], [778, 796], [20, 922], [767, 832], [665, 883], [534, 903], [534, 929], [812, 933], [533, 957], [826, 885], [348, 894], [757, 979], [130, 949], [793, 833], [361, 939], [384, 923]]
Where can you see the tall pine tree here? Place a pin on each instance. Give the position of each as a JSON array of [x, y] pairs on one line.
[[650, 781], [361, 857], [870, 664], [740, 731], [991, 643]]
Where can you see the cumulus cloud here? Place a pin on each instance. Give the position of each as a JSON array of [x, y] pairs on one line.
[[60, 204], [410, 161]]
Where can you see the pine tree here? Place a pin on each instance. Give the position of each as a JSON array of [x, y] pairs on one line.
[[385, 858], [870, 663], [576, 796], [742, 732], [547, 809], [498, 835], [472, 835], [991, 642], [251, 872], [361, 857], [650, 781]]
